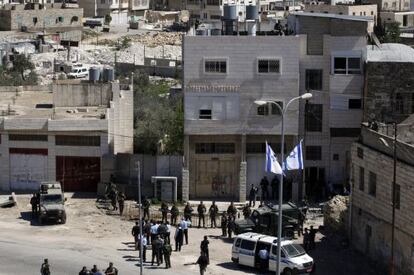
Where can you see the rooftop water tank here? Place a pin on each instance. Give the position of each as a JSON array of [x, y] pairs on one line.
[[108, 74], [94, 74], [251, 12], [229, 12]]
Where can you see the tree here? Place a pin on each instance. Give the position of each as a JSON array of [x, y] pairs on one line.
[[158, 117], [17, 74], [108, 19], [388, 33], [21, 64]]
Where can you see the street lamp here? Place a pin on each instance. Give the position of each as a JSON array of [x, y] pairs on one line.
[[282, 148], [394, 183]]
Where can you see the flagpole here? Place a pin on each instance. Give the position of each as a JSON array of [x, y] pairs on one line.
[[282, 148]]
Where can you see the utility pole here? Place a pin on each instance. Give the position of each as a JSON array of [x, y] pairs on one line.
[[140, 217], [392, 270]]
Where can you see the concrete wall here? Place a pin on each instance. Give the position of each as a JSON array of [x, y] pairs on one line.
[[70, 94], [376, 212], [126, 171]]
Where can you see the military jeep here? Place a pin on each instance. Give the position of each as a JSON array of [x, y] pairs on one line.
[[264, 220], [52, 203]]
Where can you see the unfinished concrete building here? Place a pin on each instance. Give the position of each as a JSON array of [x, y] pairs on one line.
[[69, 134]]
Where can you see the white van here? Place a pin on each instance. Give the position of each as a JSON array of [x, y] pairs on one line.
[[78, 72], [294, 260]]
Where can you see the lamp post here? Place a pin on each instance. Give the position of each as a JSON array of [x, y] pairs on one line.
[[282, 148], [394, 183]]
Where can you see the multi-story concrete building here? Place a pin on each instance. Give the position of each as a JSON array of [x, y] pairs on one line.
[[70, 135], [389, 78], [372, 203], [224, 130], [119, 10], [51, 18], [332, 69], [345, 9]]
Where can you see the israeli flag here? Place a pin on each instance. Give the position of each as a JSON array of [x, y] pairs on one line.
[[272, 165], [294, 160]]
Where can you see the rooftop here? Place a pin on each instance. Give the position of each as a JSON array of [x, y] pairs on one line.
[[390, 52], [334, 16], [39, 105]]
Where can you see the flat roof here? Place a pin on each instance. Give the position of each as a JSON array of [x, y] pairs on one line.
[[390, 52], [334, 16], [37, 105]]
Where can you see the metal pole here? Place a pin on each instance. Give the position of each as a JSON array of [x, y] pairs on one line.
[[392, 270], [141, 248], [279, 224]]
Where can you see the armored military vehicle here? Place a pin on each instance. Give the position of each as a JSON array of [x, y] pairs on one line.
[[52, 203], [264, 220]]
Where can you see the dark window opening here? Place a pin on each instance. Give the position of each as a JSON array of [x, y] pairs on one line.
[[354, 104], [397, 196], [78, 140], [313, 80], [361, 178], [360, 152], [313, 153], [345, 132], [27, 137], [268, 66], [372, 189], [215, 66], [205, 114], [313, 117]]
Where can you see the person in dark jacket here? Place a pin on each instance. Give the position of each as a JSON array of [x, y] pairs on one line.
[[179, 235], [201, 210], [231, 210], [252, 196], [213, 211], [84, 271], [188, 210], [202, 263], [224, 221], [264, 184], [164, 212], [174, 214], [45, 268], [204, 248]]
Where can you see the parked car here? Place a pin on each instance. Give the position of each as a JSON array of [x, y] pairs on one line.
[[294, 259], [78, 72]]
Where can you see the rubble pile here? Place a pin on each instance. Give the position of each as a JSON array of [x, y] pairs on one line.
[[153, 39], [336, 213]]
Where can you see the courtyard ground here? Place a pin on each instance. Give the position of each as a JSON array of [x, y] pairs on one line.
[[97, 236]]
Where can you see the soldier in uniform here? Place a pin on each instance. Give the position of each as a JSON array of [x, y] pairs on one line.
[[121, 202], [231, 210], [188, 210], [45, 268], [213, 213], [146, 205], [204, 248], [224, 224], [202, 263], [33, 202], [164, 211], [201, 210], [174, 214], [167, 255], [135, 233], [247, 211], [264, 183]]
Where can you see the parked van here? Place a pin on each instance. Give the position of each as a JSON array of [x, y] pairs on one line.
[[78, 72], [294, 259]]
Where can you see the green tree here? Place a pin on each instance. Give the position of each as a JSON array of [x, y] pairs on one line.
[[17, 75], [158, 117], [388, 33], [108, 19], [21, 64]]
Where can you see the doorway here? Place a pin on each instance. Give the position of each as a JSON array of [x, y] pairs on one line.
[[315, 183]]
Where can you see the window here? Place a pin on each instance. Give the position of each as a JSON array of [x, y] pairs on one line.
[[394, 4], [354, 104], [248, 245], [353, 13], [360, 153], [213, 2], [78, 140], [313, 80], [345, 132], [102, 1], [238, 243], [361, 178], [263, 110], [397, 196], [215, 66], [34, 20], [335, 157], [28, 137], [347, 65], [372, 12], [385, 5], [204, 114], [372, 187], [268, 66], [399, 104], [313, 152], [313, 117], [59, 19], [274, 251], [215, 148]]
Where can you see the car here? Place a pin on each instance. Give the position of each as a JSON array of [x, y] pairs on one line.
[[77, 72], [294, 259]]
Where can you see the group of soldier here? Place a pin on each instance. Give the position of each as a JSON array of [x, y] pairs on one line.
[[45, 269]]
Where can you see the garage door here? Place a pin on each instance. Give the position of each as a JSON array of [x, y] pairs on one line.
[[216, 179], [78, 174], [28, 167]]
